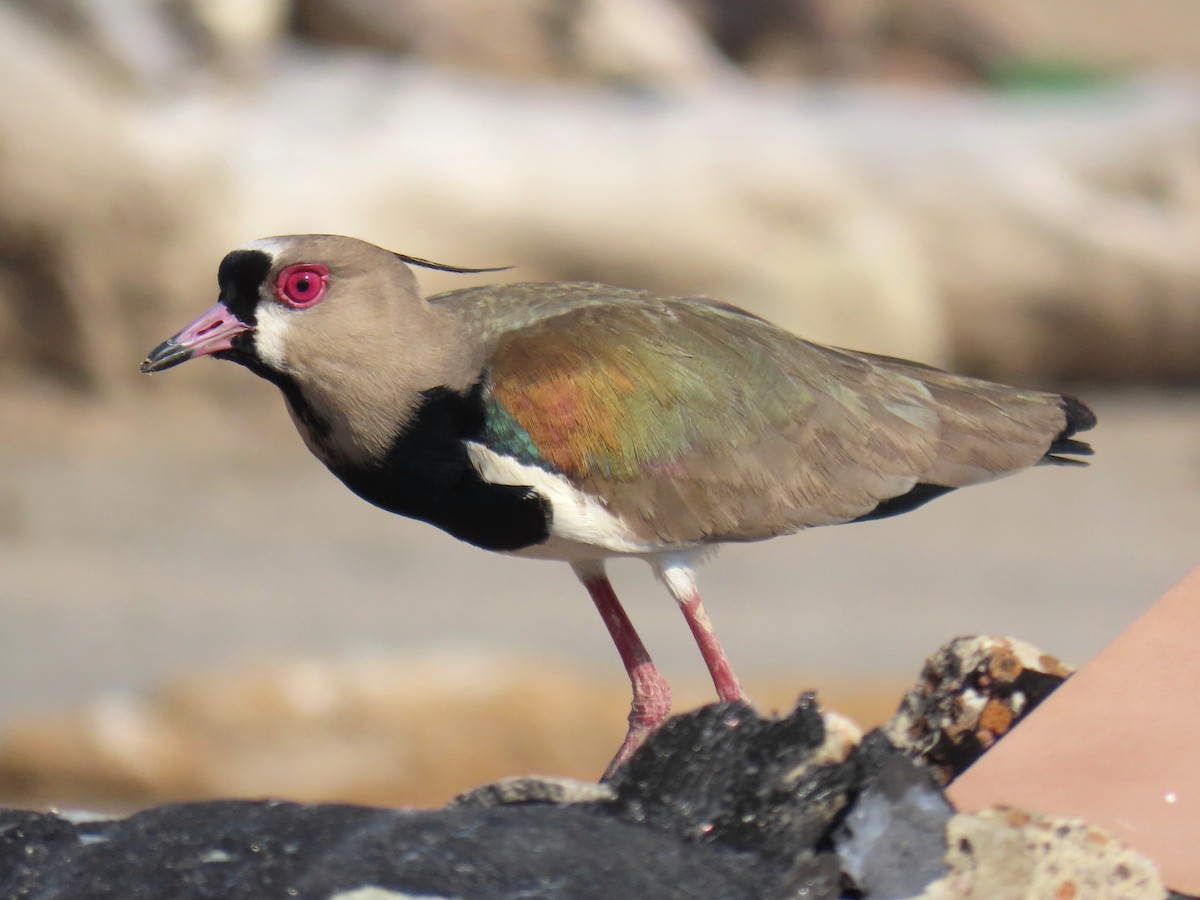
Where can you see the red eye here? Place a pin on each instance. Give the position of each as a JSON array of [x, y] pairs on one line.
[[301, 286]]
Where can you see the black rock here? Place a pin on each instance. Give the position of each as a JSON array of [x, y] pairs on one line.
[[719, 803], [723, 774], [254, 850]]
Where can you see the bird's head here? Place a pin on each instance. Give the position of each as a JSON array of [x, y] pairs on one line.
[[296, 304], [339, 325]]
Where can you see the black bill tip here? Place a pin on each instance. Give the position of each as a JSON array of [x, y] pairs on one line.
[[167, 354], [210, 334]]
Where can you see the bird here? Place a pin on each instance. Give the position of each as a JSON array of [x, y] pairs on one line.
[[583, 422]]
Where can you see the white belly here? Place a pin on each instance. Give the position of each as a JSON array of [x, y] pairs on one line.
[[582, 528]]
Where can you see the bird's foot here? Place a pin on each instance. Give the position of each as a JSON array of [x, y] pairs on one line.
[[650, 708]]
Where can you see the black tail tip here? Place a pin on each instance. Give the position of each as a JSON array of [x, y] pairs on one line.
[[1079, 417]]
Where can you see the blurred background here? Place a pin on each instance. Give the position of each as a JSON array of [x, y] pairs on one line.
[[190, 606]]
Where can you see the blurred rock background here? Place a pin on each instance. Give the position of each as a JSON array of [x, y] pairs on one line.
[[1012, 190]]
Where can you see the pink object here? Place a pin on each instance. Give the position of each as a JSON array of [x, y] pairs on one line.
[[726, 682], [1118, 744], [651, 694]]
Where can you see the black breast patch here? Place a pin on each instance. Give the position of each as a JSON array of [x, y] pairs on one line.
[[427, 475]]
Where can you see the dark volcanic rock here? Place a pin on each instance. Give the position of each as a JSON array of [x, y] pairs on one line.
[[253, 850], [725, 775], [720, 803]]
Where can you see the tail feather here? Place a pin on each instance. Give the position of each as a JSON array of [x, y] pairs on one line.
[[1079, 418]]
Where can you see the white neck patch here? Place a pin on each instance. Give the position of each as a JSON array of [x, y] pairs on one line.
[[272, 322]]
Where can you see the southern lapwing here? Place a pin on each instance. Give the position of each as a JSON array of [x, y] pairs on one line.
[[580, 422]]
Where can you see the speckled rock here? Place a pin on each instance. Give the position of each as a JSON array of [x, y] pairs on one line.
[[970, 694], [1013, 855]]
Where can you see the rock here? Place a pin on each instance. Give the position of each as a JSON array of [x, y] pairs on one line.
[[892, 840], [1013, 855], [724, 774], [719, 802], [971, 693], [534, 789], [246, 850]]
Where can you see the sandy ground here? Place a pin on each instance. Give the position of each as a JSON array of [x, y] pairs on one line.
[[167, 531]]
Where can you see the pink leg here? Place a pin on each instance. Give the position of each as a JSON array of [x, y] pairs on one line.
[[651, 694], [682, 585]]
